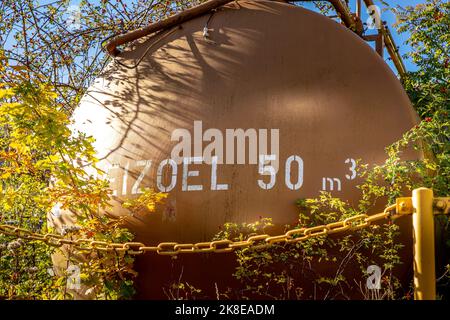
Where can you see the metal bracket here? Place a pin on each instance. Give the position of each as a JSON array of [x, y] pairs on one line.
[[441, 205], [404, 205]]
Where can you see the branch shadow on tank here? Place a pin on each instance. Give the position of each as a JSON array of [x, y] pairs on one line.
[[271, 66]]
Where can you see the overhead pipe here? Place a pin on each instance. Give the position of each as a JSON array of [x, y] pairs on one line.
[[351, 21], [111, 47], [186, 15]]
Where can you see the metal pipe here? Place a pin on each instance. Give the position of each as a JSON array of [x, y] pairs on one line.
[[350, 21], [424, 256], [111, 46], [358, 8]]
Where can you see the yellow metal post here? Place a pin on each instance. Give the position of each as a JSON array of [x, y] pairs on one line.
[[424, 263]]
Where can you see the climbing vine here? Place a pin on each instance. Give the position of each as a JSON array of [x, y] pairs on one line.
[[43, 169]]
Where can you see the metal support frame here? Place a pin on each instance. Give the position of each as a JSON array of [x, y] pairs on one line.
[[358, 8], [390, 45], [424, 255], [423, 206], [379, 42]]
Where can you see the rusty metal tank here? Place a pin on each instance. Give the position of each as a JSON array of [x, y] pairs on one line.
[[263, 65]]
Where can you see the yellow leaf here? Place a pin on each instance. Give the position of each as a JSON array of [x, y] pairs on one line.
[[6, 175], [6, 93], [19, 68]]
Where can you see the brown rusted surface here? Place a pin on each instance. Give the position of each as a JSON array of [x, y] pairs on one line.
[[266, 65]]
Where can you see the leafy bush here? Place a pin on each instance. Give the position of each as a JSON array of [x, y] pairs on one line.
[[44, 164]]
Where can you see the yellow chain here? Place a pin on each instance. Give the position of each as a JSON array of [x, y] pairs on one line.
[[173, 248]]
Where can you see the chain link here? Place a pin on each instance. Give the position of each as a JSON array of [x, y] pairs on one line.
[[173, 248]]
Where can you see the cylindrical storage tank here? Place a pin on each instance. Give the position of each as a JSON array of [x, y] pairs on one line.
[[269, 68]]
